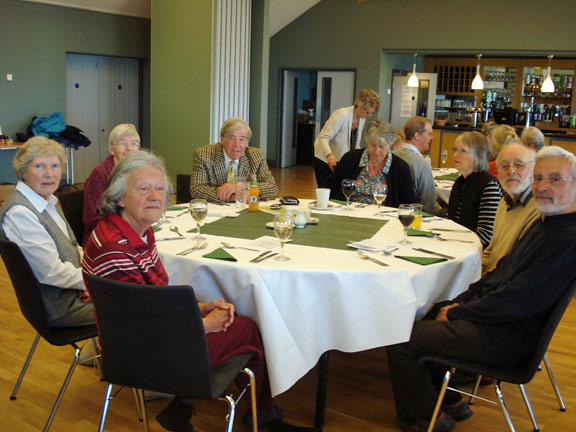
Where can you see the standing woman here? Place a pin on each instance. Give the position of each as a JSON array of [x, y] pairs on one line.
[[31, 218], [343, 132], [123, 138], [475, 195]]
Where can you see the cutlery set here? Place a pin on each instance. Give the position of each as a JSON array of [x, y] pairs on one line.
[[263, 256], [198, 246]]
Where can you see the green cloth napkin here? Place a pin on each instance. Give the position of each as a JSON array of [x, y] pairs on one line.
[[338, 201], [426, 215], [220, 254], [174, 208], [156, 229], [450, 177], [421, 260], [419, 233]]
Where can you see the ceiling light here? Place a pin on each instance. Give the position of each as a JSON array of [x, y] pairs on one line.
[[477, 83], [413, 80], [548, 84]]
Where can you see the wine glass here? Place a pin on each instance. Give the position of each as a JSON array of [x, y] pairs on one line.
[[379, 191], [406, 216], [348, 188], [444, 158], [198, 211], [283, 227]]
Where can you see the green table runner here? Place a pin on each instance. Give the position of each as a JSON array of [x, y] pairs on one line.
[[334, 232], [450, 177]]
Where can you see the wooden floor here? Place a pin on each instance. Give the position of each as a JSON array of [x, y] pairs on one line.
[[359, 392]]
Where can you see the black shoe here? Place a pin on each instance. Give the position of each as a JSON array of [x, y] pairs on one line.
[[444, 423], [459, 411], [266, 417], [176, 416]]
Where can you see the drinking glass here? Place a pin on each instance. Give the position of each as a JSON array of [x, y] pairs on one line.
[[444, 158], [283, 227], [406, 216], [379, 191], [198, 211], [348, 188]]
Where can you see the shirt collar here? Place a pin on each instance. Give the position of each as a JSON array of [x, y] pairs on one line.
[[228, 159], [364, 161], [412, 148], [35, 199], [522, 201]]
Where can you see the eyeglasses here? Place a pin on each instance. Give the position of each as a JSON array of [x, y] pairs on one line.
[[553, 180], [135, 145], [457, 150], [518, 166]]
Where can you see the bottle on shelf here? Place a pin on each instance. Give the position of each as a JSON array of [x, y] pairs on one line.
[[253, 196]]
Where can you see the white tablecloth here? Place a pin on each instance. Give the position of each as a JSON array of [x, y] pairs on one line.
[[323, 299], [443, 187]]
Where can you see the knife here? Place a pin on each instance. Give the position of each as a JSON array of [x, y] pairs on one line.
[[266, 257], [171, 238], [262, 255], [450, 230], [434, 253]]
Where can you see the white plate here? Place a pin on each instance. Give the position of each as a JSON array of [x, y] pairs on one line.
[[312, 221], [331, 206]]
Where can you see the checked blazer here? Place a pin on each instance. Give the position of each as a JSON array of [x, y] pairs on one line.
[[209, 172]]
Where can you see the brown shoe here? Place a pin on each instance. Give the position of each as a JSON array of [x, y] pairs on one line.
[[444, 423]]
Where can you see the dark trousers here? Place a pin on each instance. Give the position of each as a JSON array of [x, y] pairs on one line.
[[416, 385], [321, 170]]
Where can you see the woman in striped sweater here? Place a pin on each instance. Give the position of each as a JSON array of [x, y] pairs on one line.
[[475, 194]]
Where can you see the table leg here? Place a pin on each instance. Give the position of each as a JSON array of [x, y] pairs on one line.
[[321, 391]]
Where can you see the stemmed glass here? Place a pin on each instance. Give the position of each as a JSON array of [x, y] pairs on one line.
[[283, 227], [198, 211], [348, 188], [406, 216], [379, 191], [444, 158]]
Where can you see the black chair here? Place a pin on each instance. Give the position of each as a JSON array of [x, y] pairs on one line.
[[517, 375], [32, 305], [183, 188], [153, 338], [73, 207]]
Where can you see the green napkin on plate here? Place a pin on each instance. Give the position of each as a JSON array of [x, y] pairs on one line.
[[451, 176], [338, 201], [419, 233], [421, 260], [175, 208], [220, 254]]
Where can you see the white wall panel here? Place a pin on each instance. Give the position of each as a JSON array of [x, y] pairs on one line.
[[230, 62]]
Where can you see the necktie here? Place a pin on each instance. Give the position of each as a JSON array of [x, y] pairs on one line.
[[230, 177]]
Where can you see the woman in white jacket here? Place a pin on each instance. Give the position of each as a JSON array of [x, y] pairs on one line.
[[343, 132]]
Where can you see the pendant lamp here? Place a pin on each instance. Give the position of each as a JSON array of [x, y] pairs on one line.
[[548, 84], [413, 80], [477, 83]]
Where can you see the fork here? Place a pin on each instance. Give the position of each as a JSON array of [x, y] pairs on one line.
[[365, 256], [437, 236], [198, 246], [229, 246]]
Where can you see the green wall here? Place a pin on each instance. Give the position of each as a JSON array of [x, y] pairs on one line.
[[34, 40], [181, 70], [348, 34]]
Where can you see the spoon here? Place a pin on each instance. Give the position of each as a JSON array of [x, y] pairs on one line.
[[389, 251], [229, 246], [364, 256], [174, 228]]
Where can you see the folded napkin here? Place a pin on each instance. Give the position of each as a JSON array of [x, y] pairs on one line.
[[338, 201], [419, 233], [175, 208], [421, 260], [371, 245], [156, 229], [426, 215], [220, 254], [450, 177]]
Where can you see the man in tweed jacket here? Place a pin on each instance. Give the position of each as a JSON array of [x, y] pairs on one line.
[[211, 163]]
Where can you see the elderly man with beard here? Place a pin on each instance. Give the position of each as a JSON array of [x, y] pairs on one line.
[[499, 319], [516, 210]]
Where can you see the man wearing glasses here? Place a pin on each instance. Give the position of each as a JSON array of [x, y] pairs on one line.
[[516, 210], [498, 321]]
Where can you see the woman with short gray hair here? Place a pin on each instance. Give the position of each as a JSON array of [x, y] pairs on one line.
[[31, 218], [123, 140]]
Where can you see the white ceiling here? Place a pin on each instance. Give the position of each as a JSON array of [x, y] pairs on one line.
[[282, 12]]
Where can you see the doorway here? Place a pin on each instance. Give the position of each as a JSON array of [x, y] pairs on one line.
[[101, 92], [309, 96], [408, 102]]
